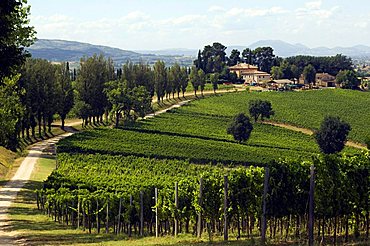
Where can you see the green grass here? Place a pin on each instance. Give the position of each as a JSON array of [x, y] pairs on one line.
[[7, 159]]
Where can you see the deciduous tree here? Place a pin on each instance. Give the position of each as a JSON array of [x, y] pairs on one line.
[[309, 74], [214, 81], [65, 98], [332, 135], [241, 128], [15, 35], [194, 79], [347, 79], [259, 108]]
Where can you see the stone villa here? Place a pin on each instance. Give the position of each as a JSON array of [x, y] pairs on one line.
[[250, 73]]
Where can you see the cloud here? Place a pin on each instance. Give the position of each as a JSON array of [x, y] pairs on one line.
[[314, 5], [315, 10], [135, 16], [255, 12], [215, 8], [53, 18]]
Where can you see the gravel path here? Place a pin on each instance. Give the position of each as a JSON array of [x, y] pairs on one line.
[[310, 132], [9, 191]]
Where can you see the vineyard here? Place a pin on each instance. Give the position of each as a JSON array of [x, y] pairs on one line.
[[180, 172], [115, 194], [304, 108]]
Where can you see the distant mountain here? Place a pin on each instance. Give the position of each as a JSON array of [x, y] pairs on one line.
[[62, 50], [171, 52], [72, 51], [285, 49]]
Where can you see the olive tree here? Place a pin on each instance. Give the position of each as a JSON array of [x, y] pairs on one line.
[[241, 128], [332, 135]]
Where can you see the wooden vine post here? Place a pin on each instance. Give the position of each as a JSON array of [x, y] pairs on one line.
[[141, 214], [226, 188], [78, 211], [199, 224], [263, 220], [156, 212], [107, 218], [119, 216], [311, 208], [176, 206], [130, 223], [97, 216]]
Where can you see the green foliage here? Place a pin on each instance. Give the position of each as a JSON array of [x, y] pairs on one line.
[[192, 132], [297, 108], [264, 58], [94, 72], [241, 128], [10, 111], [367, 142], [15, 35], [160, 79], [342, 186], [309, 74], [260, 108], [194, 79], [322, 64], [202, 80], [332, 135], [234, 58], [42, 97], [214, 81], [65, 97], [276, 72], [347, 79]]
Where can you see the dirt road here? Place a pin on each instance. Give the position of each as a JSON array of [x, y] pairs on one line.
[[9, 191], [310, 132]]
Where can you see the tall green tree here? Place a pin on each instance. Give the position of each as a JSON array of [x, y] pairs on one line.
[[276, 72], [93, 75], [176, 79], [241, 128], [41, 98], [260, 109], [184, 80], [194, 79], [15, 35], [332, 135], [214, 81], [295, 72], [116, 94], [234, 58], [347, 79], [65, 96], [170, 83], [264, 58], [160, 79], [309, 74], [247, 55], [202, 80], [142, 101], [11, 110]]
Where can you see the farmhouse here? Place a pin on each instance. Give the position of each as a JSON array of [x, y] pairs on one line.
[[250, 73], [280, 83], [325, 80]]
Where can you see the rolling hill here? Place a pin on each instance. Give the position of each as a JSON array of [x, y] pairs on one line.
[[72, 51]]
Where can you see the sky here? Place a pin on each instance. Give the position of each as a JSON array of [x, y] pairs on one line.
[[164, 24]]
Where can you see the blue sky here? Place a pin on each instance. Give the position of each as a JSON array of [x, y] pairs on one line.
[[161, 24]]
